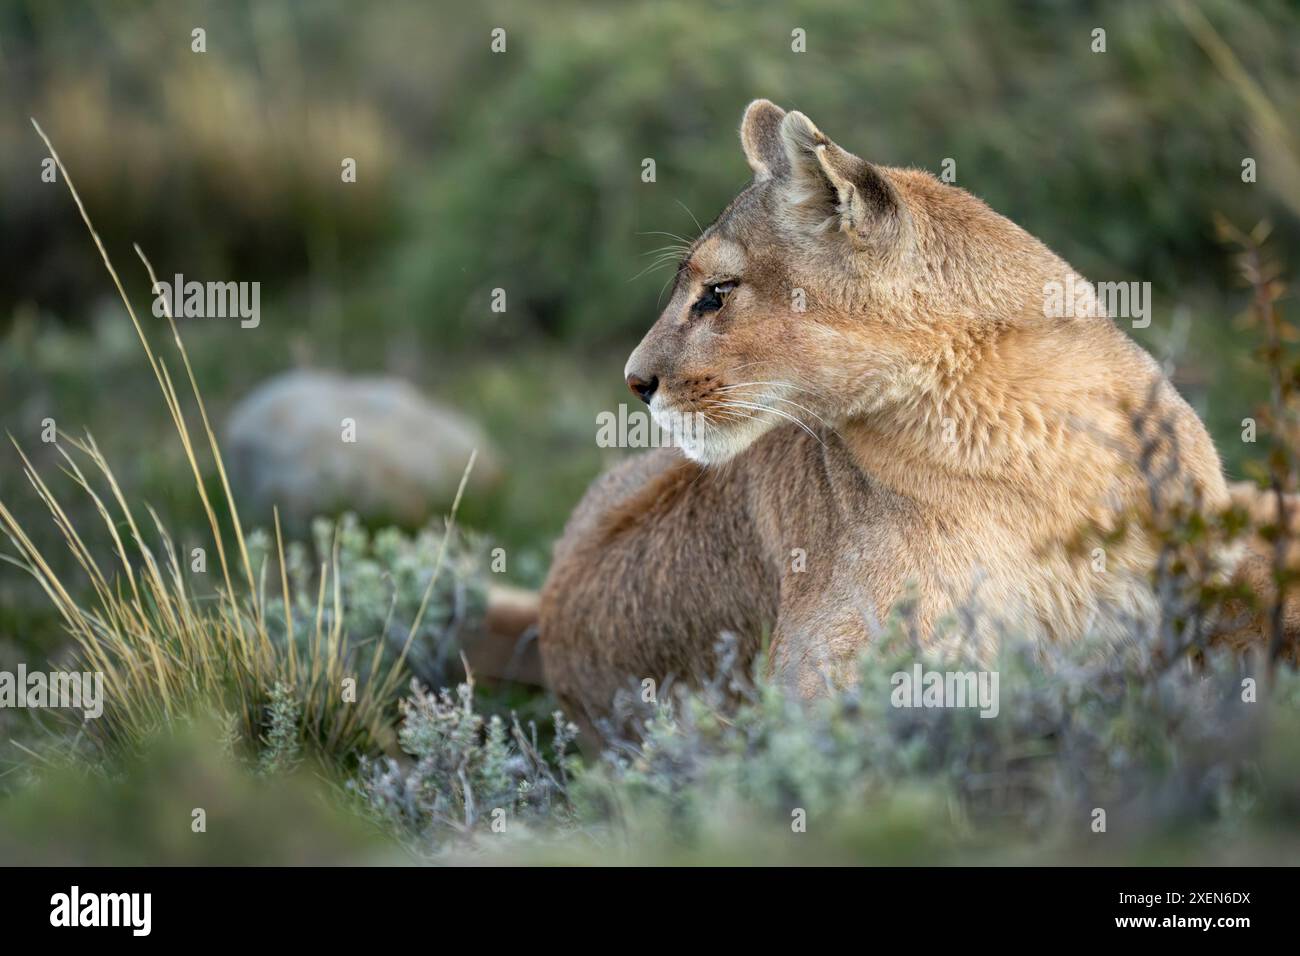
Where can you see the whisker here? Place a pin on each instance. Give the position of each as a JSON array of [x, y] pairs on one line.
[[778, 412], [698, 227], [733, 416], [659, 298], [803, 408], [666, 249], [799, 388], [658, 263], [670, 235], [780, 398]]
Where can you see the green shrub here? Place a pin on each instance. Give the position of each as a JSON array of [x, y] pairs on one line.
[[467, 775], [540, 191], [383, 579]]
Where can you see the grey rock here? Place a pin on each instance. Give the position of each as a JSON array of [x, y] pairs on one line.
[[285, 445]]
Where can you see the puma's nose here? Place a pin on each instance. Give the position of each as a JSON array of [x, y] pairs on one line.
[[644, 390]]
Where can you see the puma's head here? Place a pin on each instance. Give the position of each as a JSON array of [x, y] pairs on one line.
[[806, 299]]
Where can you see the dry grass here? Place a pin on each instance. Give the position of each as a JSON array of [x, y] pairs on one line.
[[167, 651]]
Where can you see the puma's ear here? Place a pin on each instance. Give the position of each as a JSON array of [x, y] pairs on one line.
[[831, 189], [760, 135]]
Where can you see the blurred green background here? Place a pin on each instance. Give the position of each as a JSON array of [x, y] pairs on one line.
[[522, 170]]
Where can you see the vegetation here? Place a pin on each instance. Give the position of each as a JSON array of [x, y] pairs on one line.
[[274, 689]]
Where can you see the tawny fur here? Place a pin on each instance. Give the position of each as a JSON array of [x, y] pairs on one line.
[[953, 439]]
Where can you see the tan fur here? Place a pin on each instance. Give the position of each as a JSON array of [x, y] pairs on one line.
[[924, 321]]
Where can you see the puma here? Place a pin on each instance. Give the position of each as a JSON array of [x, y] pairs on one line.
[[884, 415]]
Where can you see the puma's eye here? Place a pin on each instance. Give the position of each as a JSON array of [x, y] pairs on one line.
[[713, 297]]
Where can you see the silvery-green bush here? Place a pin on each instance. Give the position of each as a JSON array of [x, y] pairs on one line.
[[382, 579], [468, 774], [1162, 747]]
